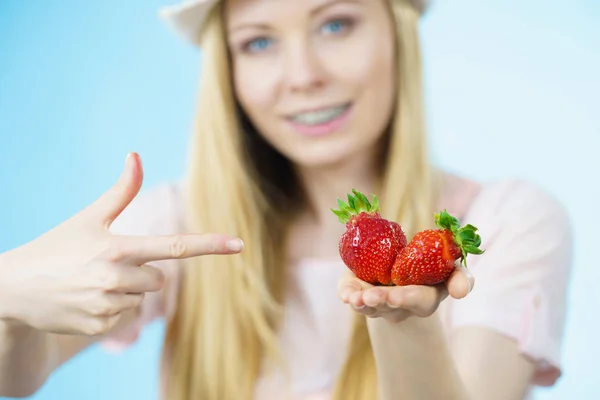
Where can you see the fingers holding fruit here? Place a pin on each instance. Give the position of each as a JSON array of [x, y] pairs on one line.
[[460, 283], [394, 303], [402, 277]]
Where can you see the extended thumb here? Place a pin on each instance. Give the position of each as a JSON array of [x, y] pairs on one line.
[[112, 203]]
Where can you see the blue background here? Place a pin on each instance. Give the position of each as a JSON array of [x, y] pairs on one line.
[[512, 91]]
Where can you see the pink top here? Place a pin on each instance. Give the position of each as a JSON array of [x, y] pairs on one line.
[[520, 289]]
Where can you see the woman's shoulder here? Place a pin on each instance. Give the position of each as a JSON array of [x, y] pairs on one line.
[[519, 202], [501, 200]]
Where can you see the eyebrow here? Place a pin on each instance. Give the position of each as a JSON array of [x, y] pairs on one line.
[[316, 10]]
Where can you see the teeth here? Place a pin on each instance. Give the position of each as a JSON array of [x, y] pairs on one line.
[[319, 116]]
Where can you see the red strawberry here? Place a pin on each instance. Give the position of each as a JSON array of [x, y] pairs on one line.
[[430, 256], [371, 243]]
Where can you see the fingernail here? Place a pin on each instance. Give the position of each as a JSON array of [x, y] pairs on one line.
[[470, 278], [128, 157], [235, 244]]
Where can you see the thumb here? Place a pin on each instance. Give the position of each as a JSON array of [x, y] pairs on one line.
[[112, 202], [460, 283]]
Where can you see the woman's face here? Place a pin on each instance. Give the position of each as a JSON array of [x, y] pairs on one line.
[[315, 77]]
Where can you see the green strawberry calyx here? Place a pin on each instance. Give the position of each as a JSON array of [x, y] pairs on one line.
[[357, 203], [466, 238]]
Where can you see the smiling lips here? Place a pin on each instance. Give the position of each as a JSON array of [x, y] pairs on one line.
[[320, 122]]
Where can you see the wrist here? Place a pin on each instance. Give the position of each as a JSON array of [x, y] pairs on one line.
[[412, 353], [413, 338], [412, 326]]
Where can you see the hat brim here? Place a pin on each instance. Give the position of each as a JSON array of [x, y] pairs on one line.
[[187, 17]]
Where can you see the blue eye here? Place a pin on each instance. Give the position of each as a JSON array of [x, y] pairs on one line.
[[259, 44], [335, 26]]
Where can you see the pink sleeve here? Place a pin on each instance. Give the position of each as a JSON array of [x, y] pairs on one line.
[[522, 278], [152, 212]]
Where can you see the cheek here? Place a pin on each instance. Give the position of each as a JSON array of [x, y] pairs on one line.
[[378, 75], [369, 69], [255, 86], [363, 59]]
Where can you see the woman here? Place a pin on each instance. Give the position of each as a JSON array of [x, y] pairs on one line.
[[300, 102]]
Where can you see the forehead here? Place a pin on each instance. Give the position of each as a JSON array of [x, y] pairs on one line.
[[256, 11]]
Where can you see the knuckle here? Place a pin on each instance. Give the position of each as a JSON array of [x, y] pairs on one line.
[[117, 190], [115, 251], [103, 307], [110, 279], [97, 326], [178, 247]]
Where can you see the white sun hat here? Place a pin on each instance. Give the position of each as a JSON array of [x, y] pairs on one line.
[[188, 16]]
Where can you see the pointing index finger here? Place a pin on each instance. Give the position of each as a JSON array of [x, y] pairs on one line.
[[143, 249]]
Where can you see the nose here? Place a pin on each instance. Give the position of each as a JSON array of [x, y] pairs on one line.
[[303, 69]]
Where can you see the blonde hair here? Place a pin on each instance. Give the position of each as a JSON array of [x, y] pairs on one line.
[[224, 330]]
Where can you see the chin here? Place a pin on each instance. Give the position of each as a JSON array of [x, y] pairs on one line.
[[320, 157]]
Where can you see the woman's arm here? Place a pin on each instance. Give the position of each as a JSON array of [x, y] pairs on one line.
[[411, 351], [414, 361], [495, 339], [79, 282], [490, 364], [28, 356]]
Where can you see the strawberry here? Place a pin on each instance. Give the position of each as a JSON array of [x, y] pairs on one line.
[[430, 256], [370, 243]]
